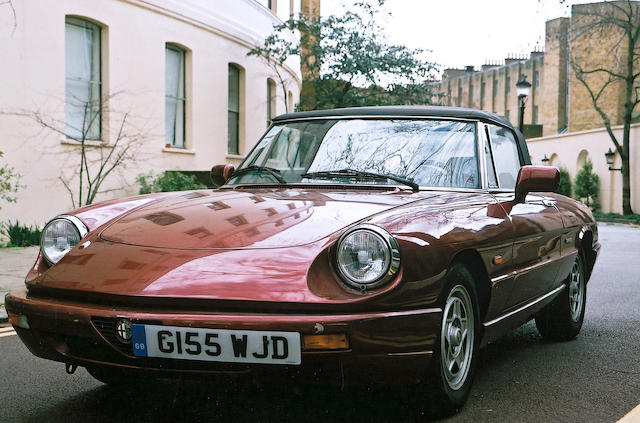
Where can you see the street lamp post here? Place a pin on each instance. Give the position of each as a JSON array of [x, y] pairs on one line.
[[523, 87]]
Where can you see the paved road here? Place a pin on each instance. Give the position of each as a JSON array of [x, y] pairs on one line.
[[14, 263], [595, 378]]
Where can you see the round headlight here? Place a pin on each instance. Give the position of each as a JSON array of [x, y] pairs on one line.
[[60, 236], [367, 257]]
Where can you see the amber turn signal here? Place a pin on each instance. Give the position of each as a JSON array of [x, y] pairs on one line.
[[325, 342]]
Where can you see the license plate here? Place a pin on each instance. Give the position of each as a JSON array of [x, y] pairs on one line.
[[230, 346]]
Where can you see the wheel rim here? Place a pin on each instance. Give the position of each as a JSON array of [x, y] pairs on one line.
[[457, 337], [576, 291]]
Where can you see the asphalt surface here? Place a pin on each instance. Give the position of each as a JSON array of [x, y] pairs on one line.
[[521, 378]]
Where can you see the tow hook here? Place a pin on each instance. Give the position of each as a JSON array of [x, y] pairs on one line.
[[71, 368]]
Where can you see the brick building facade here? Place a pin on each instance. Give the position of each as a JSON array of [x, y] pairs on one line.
[[558, 102]]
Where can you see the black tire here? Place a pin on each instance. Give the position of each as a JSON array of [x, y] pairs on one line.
[[444, 391], [562, 319]]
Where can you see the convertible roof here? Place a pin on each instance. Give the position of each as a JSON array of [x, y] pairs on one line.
[[435, 111], [438, 111]]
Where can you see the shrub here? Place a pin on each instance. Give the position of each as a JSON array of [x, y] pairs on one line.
[[167, 181], [565, 182], [586, 186], [635, 218], [21, 235], [9, 183]]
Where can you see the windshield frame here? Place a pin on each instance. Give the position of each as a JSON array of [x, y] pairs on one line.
[[482, 163]]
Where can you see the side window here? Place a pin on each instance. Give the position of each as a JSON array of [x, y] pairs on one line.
[[505, 156], [491, 170]]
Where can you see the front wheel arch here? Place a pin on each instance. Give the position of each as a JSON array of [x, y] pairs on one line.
[[473, 261]]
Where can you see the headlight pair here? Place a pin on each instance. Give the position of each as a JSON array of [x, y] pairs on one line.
[[367, 257], [59, 236]]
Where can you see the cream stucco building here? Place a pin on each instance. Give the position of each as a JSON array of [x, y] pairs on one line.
[[170, 80]]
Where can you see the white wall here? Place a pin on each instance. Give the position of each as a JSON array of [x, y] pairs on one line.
[[569, 150], [32, 79]]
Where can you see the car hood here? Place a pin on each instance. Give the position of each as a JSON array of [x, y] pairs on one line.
[[238, 219], [229, 246]]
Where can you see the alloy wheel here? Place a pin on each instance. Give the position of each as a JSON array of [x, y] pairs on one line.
[[457, 337]]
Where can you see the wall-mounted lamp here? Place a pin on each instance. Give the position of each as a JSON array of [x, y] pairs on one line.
[[545, 160], [611, 156]]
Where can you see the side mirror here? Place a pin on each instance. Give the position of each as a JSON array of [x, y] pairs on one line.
[[221, 173], [536, 179]]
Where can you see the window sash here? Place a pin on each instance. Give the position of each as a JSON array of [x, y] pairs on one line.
[[83, 88], [233, 119], [175, 97], [233, 111]]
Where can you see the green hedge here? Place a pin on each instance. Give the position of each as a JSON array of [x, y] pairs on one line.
[[168, 181], [21, 235]]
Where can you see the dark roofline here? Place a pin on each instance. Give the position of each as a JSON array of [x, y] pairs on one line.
[[437, 111], [418, 111]]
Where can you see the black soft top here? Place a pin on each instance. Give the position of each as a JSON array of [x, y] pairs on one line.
[[435, 111]]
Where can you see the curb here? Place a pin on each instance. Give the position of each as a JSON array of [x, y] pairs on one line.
[[621, 221]]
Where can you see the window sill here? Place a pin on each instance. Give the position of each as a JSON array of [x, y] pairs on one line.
[[235, 156], [178, 150], [87, 143]]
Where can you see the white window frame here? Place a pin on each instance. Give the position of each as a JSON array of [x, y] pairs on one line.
[[88, 79], [233, 145], [175, 118]]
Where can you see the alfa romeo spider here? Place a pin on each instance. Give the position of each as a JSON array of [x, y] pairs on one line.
[[358, 246]]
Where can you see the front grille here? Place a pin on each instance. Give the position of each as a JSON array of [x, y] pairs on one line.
[[107, 328]]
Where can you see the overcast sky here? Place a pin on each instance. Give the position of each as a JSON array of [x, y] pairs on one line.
[[467, 32]]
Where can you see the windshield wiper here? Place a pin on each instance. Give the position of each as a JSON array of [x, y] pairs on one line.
[[361, 174], [265, 169]]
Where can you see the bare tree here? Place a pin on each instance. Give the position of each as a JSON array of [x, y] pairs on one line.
[[274, 54], [9, 4], [604, 53], [96, 160]]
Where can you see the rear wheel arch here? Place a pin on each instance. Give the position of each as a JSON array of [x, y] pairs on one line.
[[586, 249]]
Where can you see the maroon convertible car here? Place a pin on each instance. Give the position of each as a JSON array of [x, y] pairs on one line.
[[366, 245]]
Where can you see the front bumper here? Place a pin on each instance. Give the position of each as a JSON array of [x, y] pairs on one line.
[[384, 347]]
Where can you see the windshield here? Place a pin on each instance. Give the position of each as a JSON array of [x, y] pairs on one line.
[[432, 153]]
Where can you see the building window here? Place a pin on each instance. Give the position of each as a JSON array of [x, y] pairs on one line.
[[507, 87], [459, 99], [495, 87], [507, 114], [471, 95], [535, 115], [83, 116], [536, 79], [233, 115], [483, 90], [271, 100], [175, 100]]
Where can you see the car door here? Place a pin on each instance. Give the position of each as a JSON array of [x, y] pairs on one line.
[[537, 224]]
